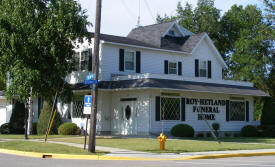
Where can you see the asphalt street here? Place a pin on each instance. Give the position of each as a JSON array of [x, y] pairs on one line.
[[7, 160]]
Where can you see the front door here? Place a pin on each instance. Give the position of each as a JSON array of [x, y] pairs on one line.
[[129, 118]]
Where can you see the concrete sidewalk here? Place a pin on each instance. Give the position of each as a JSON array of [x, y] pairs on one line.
[[116, 152]]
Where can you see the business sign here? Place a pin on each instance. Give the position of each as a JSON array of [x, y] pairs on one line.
[[206, 108], [87, 104]]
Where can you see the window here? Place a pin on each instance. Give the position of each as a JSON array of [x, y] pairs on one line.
[[172, 33], [203, 69], [237, 110], [76, 61], [78, 106], [82, 60], [128, 112], [129, 61], [170, 108], [172, 68]]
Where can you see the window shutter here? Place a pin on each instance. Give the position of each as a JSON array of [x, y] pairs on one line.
[[138, 62], [90, 60], [227, 110], [165, 66], [157, 108], [182, 109], [209, 69], [196, 67], [179, 68], [247, 111], [121, 59]]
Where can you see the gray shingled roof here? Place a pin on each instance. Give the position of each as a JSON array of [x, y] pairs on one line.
[[151, 37], [191, 42], [150, 34], [123, 40], [177, 85]]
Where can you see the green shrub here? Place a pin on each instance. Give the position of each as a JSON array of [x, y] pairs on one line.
[[227, 134], [200, 135], [268, 112], [237, 134], [182, 130], [17, 120], [43, 120], [267, 130], [4, 128], [67, 129], [208, 134], [249, 131], [216, 126], [34, 128]]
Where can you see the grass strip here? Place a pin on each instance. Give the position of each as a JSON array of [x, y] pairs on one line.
[[21, 136], [41, 147]]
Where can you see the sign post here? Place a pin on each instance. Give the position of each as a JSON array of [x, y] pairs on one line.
[[87, 112], [88, 99]]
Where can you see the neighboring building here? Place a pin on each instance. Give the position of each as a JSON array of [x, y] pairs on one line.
[[160, 74], [5, 109]]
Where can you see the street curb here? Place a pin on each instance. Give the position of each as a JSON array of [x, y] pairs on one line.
[[104, 157]]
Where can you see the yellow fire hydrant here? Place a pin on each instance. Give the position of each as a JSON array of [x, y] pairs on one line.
[[162, 138]]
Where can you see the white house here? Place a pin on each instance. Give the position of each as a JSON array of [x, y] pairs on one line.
[[159, 76], [5, 109]]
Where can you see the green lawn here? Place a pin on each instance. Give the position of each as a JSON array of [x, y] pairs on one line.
[[40, 147], [177, 146], [21, 136]]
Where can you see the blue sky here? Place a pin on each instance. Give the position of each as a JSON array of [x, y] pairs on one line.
[[120, 16]]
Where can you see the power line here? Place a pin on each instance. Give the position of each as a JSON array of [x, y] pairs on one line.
[[128, 10], [149, 9]]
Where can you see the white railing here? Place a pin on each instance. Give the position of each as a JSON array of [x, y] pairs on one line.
[[180, 78]]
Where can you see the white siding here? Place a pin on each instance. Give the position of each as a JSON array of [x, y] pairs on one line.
[[153, 61], [200, 125], [142, 106], [203, 52]]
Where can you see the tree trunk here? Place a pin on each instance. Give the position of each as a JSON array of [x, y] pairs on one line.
[[30, 115], [26, 120]]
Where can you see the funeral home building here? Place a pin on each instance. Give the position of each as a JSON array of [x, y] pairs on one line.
[[159, 76]]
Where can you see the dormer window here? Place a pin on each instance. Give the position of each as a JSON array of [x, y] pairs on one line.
[[172, 33]]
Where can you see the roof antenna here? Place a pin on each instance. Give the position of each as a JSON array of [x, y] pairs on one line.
[[138, 22]]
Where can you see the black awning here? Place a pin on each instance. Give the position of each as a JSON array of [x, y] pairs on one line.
[[176, 85]]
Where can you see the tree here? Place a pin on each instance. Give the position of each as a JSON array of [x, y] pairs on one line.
[[44, 117], [270, 16], [37, 38], [16, 125], [186, 16], [206, 17], [2, 82]]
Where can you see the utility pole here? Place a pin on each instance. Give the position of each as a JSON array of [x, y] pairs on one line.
[[95, 69]]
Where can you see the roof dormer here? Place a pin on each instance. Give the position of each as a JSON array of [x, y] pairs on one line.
[[175, 30]]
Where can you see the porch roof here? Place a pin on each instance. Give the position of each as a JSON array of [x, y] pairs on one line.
[[150, 83]]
